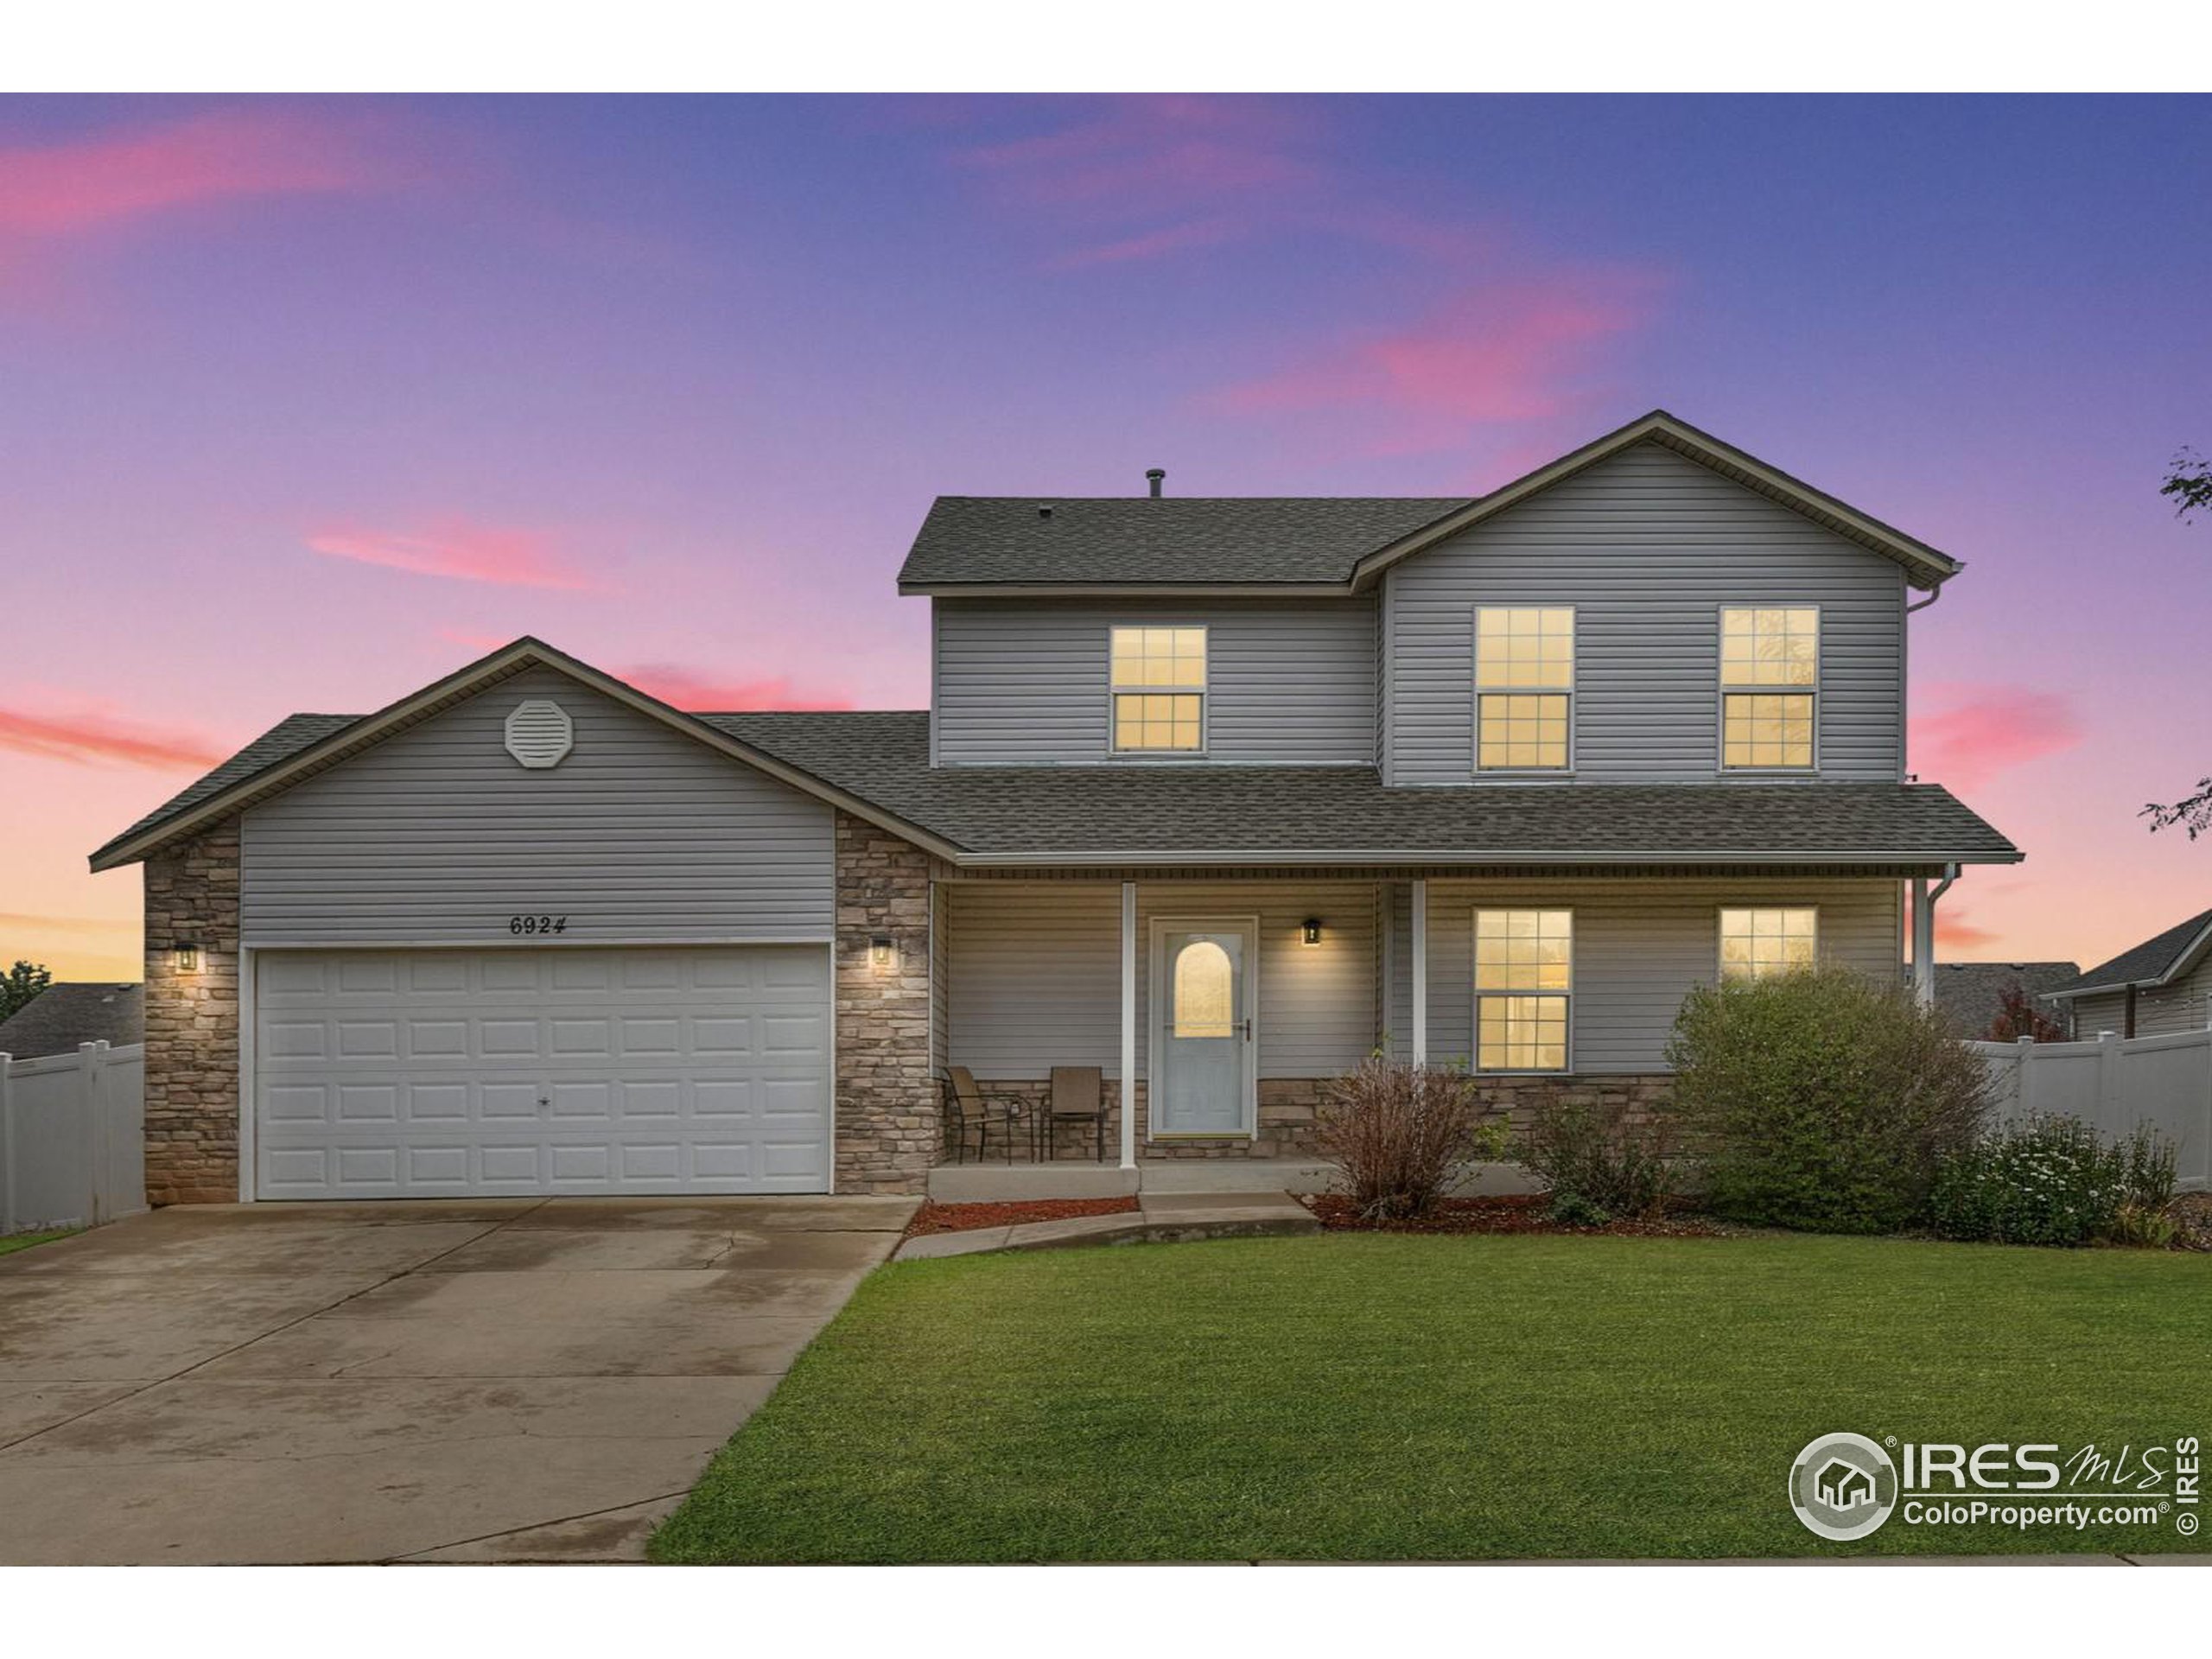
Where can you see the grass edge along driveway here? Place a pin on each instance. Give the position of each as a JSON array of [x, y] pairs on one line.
[[14, 1242], [1378, 1397]]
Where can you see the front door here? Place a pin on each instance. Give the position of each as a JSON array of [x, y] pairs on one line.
[[1205, 1056]]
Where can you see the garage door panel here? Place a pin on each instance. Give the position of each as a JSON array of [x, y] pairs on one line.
[[548, 1068]]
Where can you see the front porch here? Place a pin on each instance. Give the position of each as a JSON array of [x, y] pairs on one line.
[[1276, 983]]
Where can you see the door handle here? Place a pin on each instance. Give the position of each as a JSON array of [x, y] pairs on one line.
[[1247, 1031]]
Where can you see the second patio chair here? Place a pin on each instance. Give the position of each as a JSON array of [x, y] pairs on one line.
[[1078, 1098]]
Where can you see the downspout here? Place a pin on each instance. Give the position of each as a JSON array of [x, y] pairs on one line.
[[1924, 900]]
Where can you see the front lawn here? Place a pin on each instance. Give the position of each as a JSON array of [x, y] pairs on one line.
[[1382, 1397], [23, 1241]]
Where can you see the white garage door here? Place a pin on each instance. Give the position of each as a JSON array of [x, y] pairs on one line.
[[422, 1073]]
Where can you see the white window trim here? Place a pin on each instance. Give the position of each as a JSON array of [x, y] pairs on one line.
[[1474, 974], [1720, 938], [1726, 691], [1203, 694], [1572, 692]]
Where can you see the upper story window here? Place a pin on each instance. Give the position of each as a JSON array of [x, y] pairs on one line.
[[1159, 690], [1756, 942], [1767, 654], [1524, 687], [1524, 976]]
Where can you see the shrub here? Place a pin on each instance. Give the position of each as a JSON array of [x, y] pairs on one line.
[[1822, 1100], [2047, 1181], [1595, 1164], [1396, 1132]]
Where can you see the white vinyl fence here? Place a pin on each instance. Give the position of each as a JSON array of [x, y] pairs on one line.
[[2113, 1084], [73, 1146]]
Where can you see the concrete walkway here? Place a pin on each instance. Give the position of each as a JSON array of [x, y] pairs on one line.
[[503, 1380], [1159, 1218]]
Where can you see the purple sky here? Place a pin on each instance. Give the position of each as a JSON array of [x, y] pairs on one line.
[[309, 402]]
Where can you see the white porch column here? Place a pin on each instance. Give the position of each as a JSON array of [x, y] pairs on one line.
[[1924, 933], [1420, 973], [1128, 1025]]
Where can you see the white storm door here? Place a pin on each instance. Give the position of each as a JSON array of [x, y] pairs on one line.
[[1204, 1049]]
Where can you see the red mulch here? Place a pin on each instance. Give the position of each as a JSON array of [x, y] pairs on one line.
[[1517, 1213], [966, 1217]]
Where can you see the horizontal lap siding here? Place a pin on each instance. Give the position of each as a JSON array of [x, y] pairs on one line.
[[1026, 681], [1647, 547], [437, 835], [1639, 947], [1034, 973]]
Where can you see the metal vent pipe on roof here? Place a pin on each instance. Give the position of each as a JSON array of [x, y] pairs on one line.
[[1155, 476]]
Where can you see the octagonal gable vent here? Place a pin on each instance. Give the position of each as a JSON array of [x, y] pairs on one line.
[[540, 734]]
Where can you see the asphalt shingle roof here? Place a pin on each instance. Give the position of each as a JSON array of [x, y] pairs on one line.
[[2149, 960], [1969, 994], [1147, 810], [1116, 540], [62, 1016]]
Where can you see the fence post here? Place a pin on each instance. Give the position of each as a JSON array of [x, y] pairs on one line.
[[7, 1149], [91, 1065], [2024, 1052], [2108, 1102]]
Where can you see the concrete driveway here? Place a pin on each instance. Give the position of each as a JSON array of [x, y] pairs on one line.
[[451, 1381]]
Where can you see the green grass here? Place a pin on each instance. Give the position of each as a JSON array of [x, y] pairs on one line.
[[1386, 1397], [15, 1241]]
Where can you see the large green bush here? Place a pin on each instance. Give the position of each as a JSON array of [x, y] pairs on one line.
[[1822, 1100]]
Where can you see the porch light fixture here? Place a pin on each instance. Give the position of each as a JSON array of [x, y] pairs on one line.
[[879, 953], [1309, 932], [186, 956]]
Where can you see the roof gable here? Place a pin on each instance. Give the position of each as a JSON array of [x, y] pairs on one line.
[[305, 744], [2159, 959]]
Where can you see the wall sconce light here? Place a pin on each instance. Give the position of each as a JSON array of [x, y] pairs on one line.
[[1310, 931], [880, 954], [186, 956]]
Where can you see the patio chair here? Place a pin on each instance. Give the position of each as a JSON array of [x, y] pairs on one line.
[[969, 1110], [1078, 1097]]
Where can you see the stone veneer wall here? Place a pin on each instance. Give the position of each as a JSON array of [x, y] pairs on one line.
[[888, 1121], [192, 1022], [1288, 1107]]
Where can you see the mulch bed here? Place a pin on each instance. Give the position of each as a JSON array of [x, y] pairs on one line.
[[2192, 1213], [1517, 1213], [966, 1218]]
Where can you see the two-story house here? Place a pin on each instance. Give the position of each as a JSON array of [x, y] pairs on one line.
[[1217, 796]]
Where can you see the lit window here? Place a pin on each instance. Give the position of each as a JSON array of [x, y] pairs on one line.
[[1524, 681], [1206, 990], [1756, 942], [1159, 689], [1524, 975], [1769, 647]]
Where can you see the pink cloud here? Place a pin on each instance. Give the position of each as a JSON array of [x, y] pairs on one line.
[[700, 694], [54, 190], [1953, 930], [1512, 353], [456, 549], [1155, 152], [1976, 732], [85, 739]]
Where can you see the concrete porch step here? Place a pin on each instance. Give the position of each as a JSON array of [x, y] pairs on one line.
[[1161, 1218]]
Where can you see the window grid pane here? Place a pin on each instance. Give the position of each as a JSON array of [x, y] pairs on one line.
[[1521, 732], [1520, 1033], [1530, 649], [1774, 940], [1152, 657], [1765, 729], [1524, 949], [1156, 721], [1767, 646]]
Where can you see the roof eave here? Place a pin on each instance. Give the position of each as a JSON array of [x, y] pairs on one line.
[[1085, 857], [1123, 589]]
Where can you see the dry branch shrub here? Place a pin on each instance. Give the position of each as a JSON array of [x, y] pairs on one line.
[[1396, 1132]]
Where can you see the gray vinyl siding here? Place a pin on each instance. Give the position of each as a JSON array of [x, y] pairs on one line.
[[1646, 547], [1035, 972], [1639, 947], [1025, 682], [2162, 1011], [437, 835]]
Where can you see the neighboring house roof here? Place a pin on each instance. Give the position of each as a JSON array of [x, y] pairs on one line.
[[1970, 993], [61, 1016], [1170, 813], [2156, 961], [1009, 544], [877, 766]]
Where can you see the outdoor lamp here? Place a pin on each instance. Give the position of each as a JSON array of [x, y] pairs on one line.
[[186, 956], [1310, 933], [878, 953]]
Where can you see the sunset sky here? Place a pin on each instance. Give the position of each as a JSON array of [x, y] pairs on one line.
[[305, 402]]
